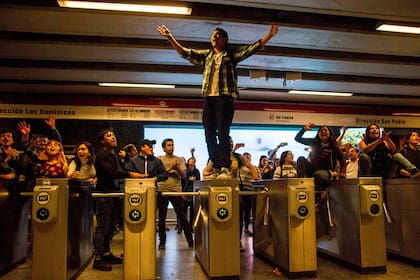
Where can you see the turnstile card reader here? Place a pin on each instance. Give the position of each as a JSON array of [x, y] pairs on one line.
[[45, 206], [217, 222], [49, 216], [285, 225], [221, 203], [139, 229]]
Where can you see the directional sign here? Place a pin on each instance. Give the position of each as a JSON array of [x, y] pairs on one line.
[[135, 215], [303, 211], [42, 214], [222, 213]]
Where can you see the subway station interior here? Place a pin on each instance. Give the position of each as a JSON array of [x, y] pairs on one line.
[[330, 64]]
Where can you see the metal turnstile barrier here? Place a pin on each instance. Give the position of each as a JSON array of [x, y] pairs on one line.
[[216, 224], [49, 221], [14, 210], [285, 225], [140, 229], [403, 217], [351, 224]]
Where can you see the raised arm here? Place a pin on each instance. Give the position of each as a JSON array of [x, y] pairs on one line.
[[165, 32], [273, 31]]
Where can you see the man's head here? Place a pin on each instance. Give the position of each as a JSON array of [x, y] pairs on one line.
[[412, 138], [146, 147], [6, 137], [219, 39], [353, 154], [108, 138], [168, 146], [130, 150]]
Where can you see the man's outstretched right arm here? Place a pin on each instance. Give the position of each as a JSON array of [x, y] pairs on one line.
[[164, 31]]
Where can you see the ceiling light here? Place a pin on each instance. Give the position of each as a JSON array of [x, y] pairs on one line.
[[125, 7], [407, 114], [398, 28], [329, 93], [135, 85]]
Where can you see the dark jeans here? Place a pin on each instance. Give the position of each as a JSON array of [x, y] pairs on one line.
[[105, 224], [217, 117], [178, 204], [189, 208]]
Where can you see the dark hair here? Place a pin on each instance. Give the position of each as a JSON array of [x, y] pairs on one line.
[[222, 32], [407, 137], [283, 157], [166, 140], [261, 157], [369, 140], [331, 139], [7, 130], [91, 157], [101, 134], [129, 148]]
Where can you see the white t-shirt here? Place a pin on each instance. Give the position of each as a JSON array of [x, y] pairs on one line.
[[352, 169]]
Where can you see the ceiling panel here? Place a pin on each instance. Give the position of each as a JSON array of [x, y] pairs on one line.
[[333, 44]]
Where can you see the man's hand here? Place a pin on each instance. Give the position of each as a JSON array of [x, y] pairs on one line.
[[164, 31], [50, 121], [24, 128], [274, 29]]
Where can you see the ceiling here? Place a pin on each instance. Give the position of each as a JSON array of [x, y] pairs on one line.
[[321, 45]]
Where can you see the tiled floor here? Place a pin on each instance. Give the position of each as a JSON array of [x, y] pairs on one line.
[[178, 261]]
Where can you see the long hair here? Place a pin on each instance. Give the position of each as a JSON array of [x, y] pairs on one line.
[[91, 157], [368, 139]]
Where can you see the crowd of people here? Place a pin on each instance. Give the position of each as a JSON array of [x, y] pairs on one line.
[[328, 159]]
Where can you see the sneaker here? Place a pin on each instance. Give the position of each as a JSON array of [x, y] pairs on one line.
[[224, 174], [213, 175], [100, 264], [111, 259], [162, 246]]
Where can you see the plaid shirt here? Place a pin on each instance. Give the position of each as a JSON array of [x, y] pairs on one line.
[[228, 77]]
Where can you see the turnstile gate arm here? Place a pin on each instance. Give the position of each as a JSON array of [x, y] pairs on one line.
[[387, 216]]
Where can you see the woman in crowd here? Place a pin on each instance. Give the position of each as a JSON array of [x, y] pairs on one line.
[[266, 168], [56, 163], [82, 167], [325, 157], [380, 157], [286, 168]]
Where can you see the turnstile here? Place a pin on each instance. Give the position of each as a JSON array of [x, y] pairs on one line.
[[285, 225], [354, 231], [140, 229], [216, 225], [14, 210], [49, 221], [403, 219], [80, 221]]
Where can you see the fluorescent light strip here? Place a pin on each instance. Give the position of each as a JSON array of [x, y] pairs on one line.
[[328, 93], [407, 114], [125, 7], [398, 28], [135, 85]]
